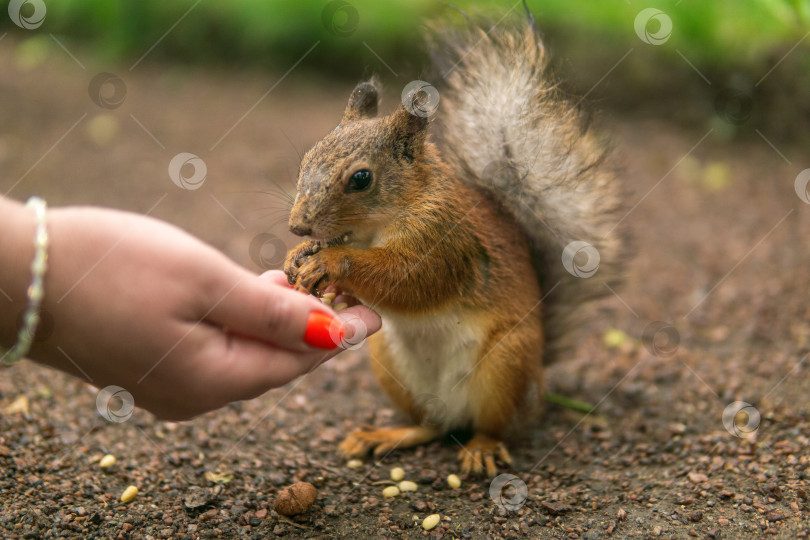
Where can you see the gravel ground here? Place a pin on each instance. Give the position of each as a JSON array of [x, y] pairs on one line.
[[713, 312]]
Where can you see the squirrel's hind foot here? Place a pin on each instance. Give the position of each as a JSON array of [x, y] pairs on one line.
[[480, 452], [361, 441]]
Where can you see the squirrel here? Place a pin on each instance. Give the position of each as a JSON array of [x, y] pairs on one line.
[[470, 253]]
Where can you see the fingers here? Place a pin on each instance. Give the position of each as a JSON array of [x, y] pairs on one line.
[[267, 309]]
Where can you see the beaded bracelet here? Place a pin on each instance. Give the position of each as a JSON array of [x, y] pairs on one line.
[[35, 290]]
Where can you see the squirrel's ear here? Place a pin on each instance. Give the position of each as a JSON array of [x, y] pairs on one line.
[[362, 102], [409, 131]]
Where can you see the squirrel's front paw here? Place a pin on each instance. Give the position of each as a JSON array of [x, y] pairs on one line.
[[320, 270], [296, 258]]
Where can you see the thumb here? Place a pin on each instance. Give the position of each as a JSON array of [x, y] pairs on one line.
[[266, 309]]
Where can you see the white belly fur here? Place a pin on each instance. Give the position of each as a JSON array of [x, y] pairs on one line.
[[435, 355]]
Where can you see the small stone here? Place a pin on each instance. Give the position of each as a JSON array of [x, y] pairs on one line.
[[698, 478], [621, 515], [430, 522], [722, 522], [261, 513], [129, 494]]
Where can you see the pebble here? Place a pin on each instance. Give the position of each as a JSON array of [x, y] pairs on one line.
[[107, 461], [390, 491], [129, 494], [354, 463], [430, 522], [397, 474], [453, 481], [407, 485]]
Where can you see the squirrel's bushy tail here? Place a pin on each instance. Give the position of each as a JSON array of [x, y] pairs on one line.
[[507, 129]]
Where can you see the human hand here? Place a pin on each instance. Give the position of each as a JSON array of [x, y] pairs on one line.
[[141, 304]]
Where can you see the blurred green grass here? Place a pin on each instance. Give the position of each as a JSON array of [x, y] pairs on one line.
[[276, 33]]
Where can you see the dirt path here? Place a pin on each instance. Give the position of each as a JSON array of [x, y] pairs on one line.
[[722, 255]]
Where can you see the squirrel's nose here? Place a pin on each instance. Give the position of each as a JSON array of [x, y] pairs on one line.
[[301, 230]]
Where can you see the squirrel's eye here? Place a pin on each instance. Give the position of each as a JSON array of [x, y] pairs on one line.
[[359, 181]]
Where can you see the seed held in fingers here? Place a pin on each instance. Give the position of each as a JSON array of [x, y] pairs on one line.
[[129, 494], [341, 306]]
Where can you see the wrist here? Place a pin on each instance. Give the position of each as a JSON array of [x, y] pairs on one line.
[[17, 229]]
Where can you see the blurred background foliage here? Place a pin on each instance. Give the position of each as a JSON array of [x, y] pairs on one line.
[[715, 46]]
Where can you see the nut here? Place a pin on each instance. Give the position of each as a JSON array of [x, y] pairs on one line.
[[295, 499], [107, 461], [129, 494], [453, 481], [390, 491], [430, 522], [407, 485], [397, 474]]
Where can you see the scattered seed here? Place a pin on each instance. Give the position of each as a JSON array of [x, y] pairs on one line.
[[407, 485], [453, 481], [341, 306], [354, 463], [430, 522], [107, 461], [390, 491], [397, 474], [129, 494]]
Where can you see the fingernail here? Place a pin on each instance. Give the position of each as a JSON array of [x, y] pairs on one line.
[[323, 331]]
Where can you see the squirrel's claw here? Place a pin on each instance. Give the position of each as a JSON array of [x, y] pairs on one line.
[[382, 441], [296, 258], [479, 454]]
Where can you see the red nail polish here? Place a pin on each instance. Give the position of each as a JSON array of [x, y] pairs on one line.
[[323, 331]]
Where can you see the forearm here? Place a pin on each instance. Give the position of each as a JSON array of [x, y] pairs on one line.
[[17, 225], [403, 280]]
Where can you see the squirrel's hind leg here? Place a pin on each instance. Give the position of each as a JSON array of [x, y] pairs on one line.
[[360, 442]]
